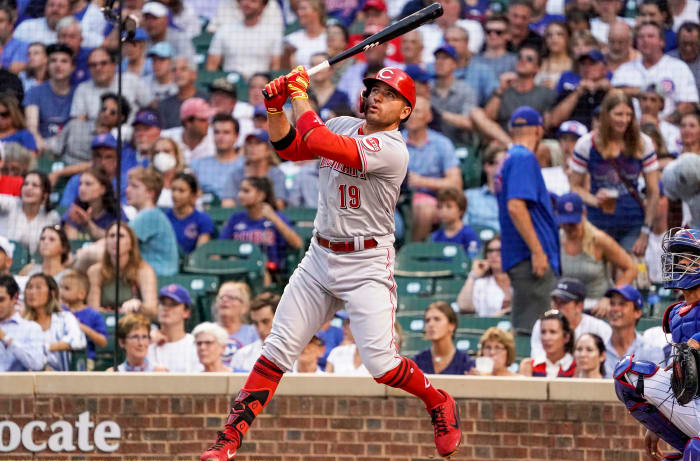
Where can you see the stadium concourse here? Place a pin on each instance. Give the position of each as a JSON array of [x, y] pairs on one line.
[[527, 240]]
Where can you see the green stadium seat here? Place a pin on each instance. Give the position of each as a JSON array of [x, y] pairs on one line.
[[432, 259], [302, 217], [20, 257], [485, 233], [414, 286], [219, 215], [209, 199], [414, 304], [206, 78], [201, 47], [648, 322], [471, 166], [467, 342], [447, 289], [202, 290], [522, 346], [78, 360], [77, 244], [230, 260], [411, 321], [104, 355], [413, 343], [474, 324]]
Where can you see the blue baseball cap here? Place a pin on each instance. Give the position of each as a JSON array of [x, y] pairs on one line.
[[161, 50], [149, 117], [260, 111], [104, 140], [525, 116], [628, 292], [594, 55], [260, 135], [570, 289], [448, 49], [417, 73], [569, 209], [175, 292], [574, 127]]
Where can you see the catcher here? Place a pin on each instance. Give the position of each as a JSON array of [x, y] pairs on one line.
[[665, 400]]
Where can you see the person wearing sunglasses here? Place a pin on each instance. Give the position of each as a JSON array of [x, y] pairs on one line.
[[495, 55], [519, 89]]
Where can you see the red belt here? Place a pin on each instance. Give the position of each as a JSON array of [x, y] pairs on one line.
[[344, 247]]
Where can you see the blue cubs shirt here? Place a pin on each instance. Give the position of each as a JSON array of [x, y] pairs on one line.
[[464, 237], [261, 232], [188, 229], [92, 318], [520, 177]]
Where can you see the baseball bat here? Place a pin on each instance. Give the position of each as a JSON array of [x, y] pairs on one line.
[[390, 32]]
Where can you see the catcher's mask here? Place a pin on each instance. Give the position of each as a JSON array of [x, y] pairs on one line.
[[680, 261]]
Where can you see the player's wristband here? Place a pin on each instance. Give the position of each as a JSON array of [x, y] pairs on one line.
[[286, 141], [645, 230], [308, 121]]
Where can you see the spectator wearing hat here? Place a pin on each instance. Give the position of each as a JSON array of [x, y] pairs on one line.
[[176, 350], [135, 60], [587, 252], [655, 66], [579, 93], [567, 297], [625, 311], [70, 34], [495, 55], [22, 340], [156, 23], [215, 172], [530, 240], [331, 101], [651, 100], [161, 82], [262, 313], [568, 134], [43, 29], [518, 89], [194, 136], [73, 144], [102, 66], [232, 50], [184, 75], [7, 250], [224, 99], [147, 126], [310, 39]]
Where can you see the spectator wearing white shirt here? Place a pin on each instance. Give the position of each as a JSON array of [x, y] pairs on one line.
[[607, 15], [176, 351], [311, 38], [487, 290], [568, 298], [194, 136], [233, 50], [156, 22], [651, 100], [262, 312], [61, 329], [433, 33], [684, 10], [210, 340], [654, 66], [43, 29], [91, 20]]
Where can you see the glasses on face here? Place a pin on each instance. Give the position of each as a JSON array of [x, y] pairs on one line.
[[498, 32], [4, 114], [108, 111], [137, 338], [94, 64], [526, 58]]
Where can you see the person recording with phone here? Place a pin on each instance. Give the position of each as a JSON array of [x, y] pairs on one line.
[[487, 290]]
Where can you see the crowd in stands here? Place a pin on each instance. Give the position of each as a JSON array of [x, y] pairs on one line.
[[615, 83]]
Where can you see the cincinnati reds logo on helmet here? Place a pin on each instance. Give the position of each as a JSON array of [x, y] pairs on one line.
[[372, 144], [386, 73]]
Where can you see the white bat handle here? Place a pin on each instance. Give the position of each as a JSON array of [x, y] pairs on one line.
[[318, 68]]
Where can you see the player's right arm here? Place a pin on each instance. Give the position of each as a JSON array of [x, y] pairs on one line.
[[283, 136]]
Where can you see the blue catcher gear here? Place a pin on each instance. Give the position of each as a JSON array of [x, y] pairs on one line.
[[680, 260], [641, 410], [692, 450]]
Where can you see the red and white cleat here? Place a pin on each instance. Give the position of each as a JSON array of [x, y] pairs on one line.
[[224, 449], [445, 419]]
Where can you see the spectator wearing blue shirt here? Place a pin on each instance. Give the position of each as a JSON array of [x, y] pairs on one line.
[[483, 206], [192, 227], [214, 172], [13, 127], [74, 290], [530, 235], [432, 166], [70, 33], [47, 106], [261, 223], [21, 340], [157, 241], [13, 54], [451, 207], [442, 357]]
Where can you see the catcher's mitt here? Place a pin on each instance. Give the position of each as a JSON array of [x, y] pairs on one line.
[[684, 380]]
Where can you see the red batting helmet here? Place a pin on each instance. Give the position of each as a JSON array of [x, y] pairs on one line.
[[398, 80]]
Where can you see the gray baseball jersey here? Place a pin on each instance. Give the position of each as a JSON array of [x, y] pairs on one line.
[[355, 203]]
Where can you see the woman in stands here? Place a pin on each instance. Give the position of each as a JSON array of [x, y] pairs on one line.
[[167, 159], [230, 311], [557, 58], [25, 216], [54, 249], [61, 329], [589, 354], [95, 208], [690, 132], [13, 127], [487, 290], [261, 223], [299, 46], [442, 356], [192, 227], [137, 284], [587, 252], [615, 155], [499, 346], [558, 345], [134, 336], [210, 340]]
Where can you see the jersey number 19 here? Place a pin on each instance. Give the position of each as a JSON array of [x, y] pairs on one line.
[[349, 196]]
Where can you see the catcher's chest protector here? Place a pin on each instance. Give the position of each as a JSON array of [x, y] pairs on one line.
[[682, 321]]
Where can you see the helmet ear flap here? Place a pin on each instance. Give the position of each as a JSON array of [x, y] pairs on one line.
[[364, 100]]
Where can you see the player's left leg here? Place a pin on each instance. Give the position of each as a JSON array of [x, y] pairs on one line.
[[371, 305]]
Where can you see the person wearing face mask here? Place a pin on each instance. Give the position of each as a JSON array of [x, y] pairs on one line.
[[167, 160]]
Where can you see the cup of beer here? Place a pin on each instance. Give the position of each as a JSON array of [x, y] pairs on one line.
[[609, 203]]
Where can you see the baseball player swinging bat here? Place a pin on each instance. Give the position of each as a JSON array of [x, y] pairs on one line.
[[389, 33]]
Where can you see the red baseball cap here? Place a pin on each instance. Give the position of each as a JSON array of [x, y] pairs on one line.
[[376, 4]]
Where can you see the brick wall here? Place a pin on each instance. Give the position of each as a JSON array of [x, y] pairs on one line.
[[342, 428]]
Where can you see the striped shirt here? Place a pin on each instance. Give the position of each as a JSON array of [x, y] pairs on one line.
[[66, 328], [26, 350]]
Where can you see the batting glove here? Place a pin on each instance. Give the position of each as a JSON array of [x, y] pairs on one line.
[[298, 83], [277, 94]]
